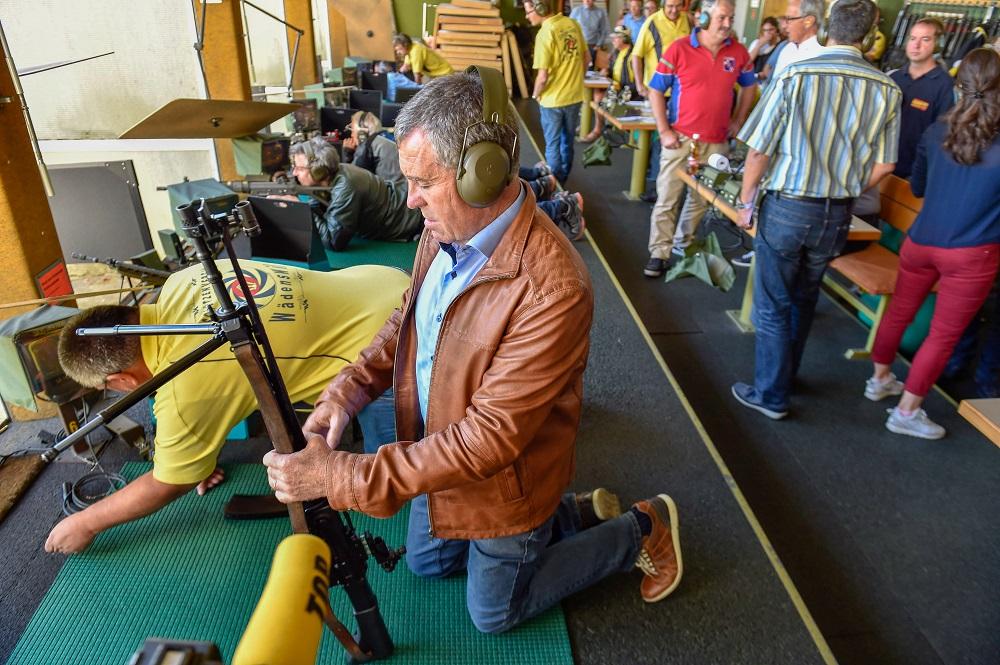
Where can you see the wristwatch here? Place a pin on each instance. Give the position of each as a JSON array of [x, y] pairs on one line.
[[743, 206]]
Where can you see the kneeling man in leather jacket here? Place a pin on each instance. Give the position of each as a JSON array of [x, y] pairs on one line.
[[486, 356]]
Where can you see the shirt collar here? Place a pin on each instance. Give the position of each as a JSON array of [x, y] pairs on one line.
[[486, 241], [841, 49], [697, 44]]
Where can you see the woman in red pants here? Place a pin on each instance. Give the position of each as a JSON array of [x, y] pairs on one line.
[[954, 242]]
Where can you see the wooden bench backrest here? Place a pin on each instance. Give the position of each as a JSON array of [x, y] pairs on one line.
[[899, 205]]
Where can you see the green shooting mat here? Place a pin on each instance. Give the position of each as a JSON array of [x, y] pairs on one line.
[[186, 573], [378, 252]]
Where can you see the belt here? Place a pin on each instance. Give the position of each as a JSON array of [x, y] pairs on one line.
[[810, 199]]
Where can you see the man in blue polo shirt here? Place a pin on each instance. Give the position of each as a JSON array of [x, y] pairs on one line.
[[700, 70], [928, 90]]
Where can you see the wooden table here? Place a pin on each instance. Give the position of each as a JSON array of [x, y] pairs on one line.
[[640, 159], [984, 414], [860, 230], [589, 86]]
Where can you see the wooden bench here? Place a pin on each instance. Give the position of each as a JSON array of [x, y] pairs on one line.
[[984, 414], [873, 269]]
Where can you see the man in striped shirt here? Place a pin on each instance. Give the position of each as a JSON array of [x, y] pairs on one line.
[[826, 130]]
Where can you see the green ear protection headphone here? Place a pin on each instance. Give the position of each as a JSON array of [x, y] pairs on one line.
[[317, 169], [866, 43], [484, 168], [541, 7]]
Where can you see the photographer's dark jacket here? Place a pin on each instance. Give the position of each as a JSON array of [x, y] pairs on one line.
[[362, 204], [498, 448]]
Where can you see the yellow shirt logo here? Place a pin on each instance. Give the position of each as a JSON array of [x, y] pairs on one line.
[[920, 104]]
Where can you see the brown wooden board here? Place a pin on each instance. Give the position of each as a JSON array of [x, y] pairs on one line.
[[469, 20], [471, 38], [369, 32], [474, 4], [474, 51], [450, 9], [470, 27], [518, 67], [507, 76]]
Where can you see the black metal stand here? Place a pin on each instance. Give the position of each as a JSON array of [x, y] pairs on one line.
[[240, 326]]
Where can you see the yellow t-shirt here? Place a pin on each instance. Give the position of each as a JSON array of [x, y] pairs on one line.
[[645, 45], [423, 60], [559, 48], [317, 323]]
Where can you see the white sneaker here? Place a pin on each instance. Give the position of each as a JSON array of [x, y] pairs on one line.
[[918, 424], [744, 260], [876, 390]]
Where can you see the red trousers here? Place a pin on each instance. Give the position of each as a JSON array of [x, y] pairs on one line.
[[966, 275]]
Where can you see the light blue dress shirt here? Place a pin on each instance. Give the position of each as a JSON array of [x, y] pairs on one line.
[[453, 269]]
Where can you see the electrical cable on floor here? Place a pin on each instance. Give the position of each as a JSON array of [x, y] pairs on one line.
[[90, 489]]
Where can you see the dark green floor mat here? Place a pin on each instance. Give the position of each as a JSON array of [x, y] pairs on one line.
[[186, 573], [363, 252]]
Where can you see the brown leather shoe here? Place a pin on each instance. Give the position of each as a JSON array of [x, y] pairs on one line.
[[597, 506], [660, 557]]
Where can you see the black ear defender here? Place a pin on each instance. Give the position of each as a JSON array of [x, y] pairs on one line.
[[484, 168]]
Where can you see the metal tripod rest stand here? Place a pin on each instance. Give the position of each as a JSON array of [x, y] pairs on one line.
[[240, 326]]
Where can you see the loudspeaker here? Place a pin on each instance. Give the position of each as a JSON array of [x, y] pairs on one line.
[[484, 168]]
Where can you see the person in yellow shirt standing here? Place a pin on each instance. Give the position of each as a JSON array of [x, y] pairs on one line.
[[417, 58], [659, 31], [317, 323], [561, 58]]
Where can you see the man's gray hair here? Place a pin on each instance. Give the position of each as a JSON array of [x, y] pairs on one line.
[[814, 8], [850, 21], [444, 108], [709, 5], [318, 152]]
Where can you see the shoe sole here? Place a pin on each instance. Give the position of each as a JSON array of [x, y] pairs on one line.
[[878, 397], [606, 504], [773, 415], [675, 536], [899, 430]]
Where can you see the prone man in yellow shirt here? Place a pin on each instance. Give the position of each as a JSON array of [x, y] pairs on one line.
[[316, 322], [417, 58], [561, 58]]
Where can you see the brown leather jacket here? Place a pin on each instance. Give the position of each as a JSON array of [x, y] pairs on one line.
[[504, 398]]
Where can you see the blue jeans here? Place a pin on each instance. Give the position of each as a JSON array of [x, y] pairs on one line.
[[513, 578], [559, 129], [794, 243], [378, 422]]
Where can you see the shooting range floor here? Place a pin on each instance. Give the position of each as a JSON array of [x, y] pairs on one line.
[[187, 573], [891, 541], [361, 252]]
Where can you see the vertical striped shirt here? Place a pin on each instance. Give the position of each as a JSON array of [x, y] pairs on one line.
[[824, 123]]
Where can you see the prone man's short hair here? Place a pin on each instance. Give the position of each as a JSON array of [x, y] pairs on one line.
[[89, 360]]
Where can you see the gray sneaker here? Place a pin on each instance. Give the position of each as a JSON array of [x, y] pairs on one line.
[[875, 390], [918, 424]]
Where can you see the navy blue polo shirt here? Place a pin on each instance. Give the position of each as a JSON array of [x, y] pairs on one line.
[[924, 100]]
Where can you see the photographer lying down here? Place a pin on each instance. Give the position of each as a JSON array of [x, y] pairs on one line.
[[486, 357], [196, 410], [360, 203]]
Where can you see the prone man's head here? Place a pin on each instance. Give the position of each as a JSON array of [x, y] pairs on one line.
[[90, 361], [314, 162]]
